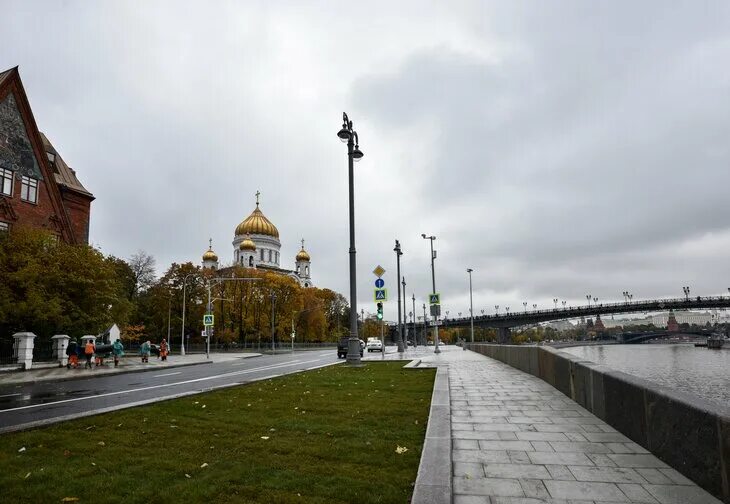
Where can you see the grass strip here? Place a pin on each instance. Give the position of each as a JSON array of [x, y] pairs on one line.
[[330, 435]]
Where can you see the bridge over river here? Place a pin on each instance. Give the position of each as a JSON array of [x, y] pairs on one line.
[[506, 321]]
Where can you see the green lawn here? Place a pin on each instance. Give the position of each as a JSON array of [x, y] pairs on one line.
[[323, 436]]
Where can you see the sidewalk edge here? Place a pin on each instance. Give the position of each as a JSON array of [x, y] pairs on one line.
[[433, 483]]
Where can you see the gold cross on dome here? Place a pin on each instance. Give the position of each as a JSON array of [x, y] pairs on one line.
[[302, 243], [210, 243], [258, 193]]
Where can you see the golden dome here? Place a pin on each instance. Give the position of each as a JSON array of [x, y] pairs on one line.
[[257, 223], [210, 256], [247, 244], [303, 255]]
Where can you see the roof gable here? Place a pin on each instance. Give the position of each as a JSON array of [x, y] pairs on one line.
[[25, 147]]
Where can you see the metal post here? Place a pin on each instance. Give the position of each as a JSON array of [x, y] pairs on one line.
[[398, 253], [207, 332], [405, 320], [433, 280], [169, 313], [471, 304], [353, 153], [425, 321], [182, 331], [415, 335]]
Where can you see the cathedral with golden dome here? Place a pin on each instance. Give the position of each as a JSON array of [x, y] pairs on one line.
[[256, 245]]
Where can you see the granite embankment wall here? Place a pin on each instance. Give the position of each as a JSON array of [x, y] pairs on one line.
[[689, 434]]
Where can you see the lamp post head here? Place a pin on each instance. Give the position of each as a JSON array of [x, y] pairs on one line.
[[469, 270], [357, 154], [343, 134], [397, 248]]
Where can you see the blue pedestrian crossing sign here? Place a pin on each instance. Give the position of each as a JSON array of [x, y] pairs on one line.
[[434, 298], [379, 283], [381, 294], [208, 319]]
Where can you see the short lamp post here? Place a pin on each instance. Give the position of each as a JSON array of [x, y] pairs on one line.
[[349, 135]]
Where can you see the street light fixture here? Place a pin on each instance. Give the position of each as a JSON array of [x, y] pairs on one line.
[[564, 303], [595, 301], [555, 302], [349, 135], [433, 280], [471, 304], [588, 297], [182, 331], [686, 293], [398, 253], [496, 309], [524, 303]]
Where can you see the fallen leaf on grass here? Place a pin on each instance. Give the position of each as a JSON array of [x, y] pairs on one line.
[[93, 464], [401, 449], [264, 437], [101, 443], [66, 453], [187, 475], [203, 406], [22, 449], [173, 426], [205, 464], [120, 424], [70, 499], [27, 476]]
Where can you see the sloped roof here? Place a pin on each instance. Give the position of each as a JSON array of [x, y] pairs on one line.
[[65, 175], [5, 74]]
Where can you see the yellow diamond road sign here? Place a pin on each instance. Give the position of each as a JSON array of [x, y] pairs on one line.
[[379, 271]]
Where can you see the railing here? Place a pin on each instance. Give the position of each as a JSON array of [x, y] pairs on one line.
[[7, 355], [43, 351]]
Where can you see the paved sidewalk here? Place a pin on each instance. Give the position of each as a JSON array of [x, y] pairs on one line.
[[517, 440], [130, 363]]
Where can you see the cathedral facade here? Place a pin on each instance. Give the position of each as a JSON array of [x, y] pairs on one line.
[[256, 245]]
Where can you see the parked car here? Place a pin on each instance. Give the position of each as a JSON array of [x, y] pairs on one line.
[[374, 345], [342, 348]]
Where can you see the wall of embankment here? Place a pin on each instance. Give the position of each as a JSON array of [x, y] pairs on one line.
[[691, 435]]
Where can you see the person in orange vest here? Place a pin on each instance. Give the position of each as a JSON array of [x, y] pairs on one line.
[[163, 349], [89, 350]]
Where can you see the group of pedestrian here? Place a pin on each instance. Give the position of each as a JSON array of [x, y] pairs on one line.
[[89, 351], [75, 350]]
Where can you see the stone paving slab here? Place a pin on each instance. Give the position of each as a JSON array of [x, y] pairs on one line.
[[518, 440]]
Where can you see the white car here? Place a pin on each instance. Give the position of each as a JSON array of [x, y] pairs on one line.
[[374, 345]]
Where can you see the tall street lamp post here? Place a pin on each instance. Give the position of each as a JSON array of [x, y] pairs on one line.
[[182, 331], [471, 304], [415, 335], [433, 281], [405, 321], [398, 253], [349, 135]]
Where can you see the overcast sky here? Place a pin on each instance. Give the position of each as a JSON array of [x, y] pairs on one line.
[[557, 148]]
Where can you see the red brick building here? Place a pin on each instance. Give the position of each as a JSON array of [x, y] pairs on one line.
[[37, 188]]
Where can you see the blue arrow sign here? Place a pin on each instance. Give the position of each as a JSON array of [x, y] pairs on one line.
[[379, 283]]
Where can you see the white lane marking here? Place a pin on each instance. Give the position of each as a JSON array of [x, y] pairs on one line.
[[269, 377], [215, 377], [166, 374], [243, 363], [9, 395]]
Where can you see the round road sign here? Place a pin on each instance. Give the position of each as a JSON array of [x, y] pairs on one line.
[[379, 283]]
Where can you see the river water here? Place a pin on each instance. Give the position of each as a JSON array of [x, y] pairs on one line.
[[698, 371]]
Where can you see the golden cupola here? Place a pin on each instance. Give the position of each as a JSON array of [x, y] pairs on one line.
[[303, 255], [247, 244], [257, 224], [209, 255]]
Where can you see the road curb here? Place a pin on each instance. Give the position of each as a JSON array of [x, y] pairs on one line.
[[433, 483]]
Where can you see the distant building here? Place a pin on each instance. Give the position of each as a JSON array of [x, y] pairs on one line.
[[256, 245], [37, 188]]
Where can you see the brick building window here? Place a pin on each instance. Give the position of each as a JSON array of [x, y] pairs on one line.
[[6, 182], [28, 189], [4, 227]]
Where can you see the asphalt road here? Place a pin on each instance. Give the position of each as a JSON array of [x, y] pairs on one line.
[[34, 404]]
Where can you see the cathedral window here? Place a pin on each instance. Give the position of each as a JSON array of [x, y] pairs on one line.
[[269, 255], [306, 271], [28, 189], [250, 262], [6, 182], [262, 254]]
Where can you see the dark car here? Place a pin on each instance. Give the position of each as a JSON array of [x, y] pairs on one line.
[[342, 348]]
